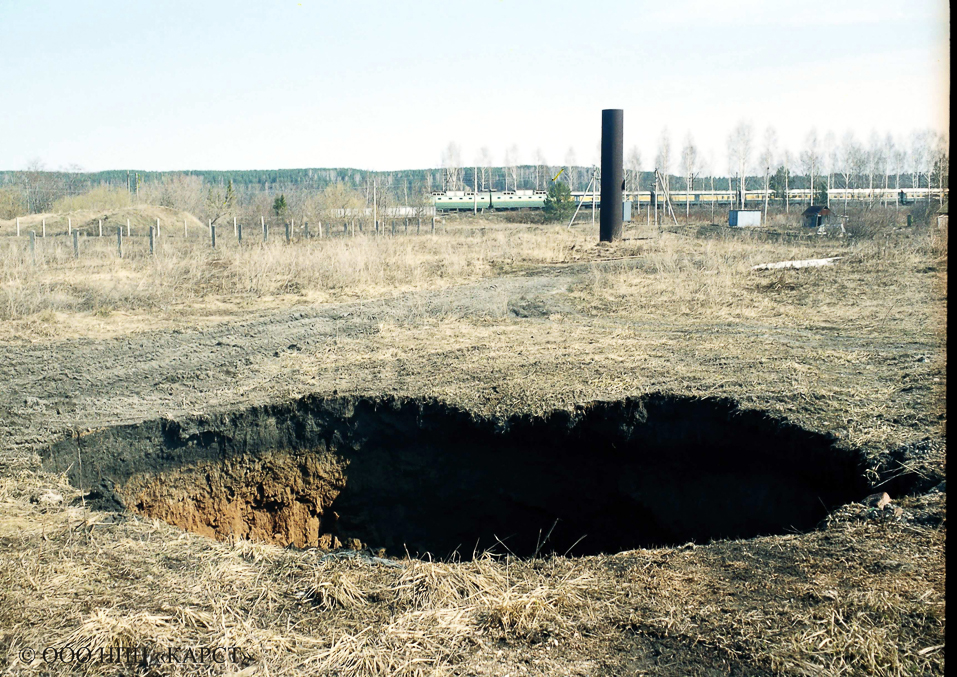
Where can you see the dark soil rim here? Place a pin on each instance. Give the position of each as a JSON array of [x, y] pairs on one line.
[[417, 475]]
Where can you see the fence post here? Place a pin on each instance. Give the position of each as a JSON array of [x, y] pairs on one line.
[[209, 223], [212, 236], [101, 227], [406, 226], [33, 246], [69, 226], [265, 232], [239, 231], [18, 226], [152, 237], [262, 223], [185, 231], [433, 225], [305, 230], [320, 230], [119, 241], [127, 228], [393, 227], [235, 228], [76, 244], [345, 229], [44, 227], [418, 225], [288, 234], [157, 227]]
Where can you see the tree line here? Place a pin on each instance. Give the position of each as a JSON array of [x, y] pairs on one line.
[[751, 162]]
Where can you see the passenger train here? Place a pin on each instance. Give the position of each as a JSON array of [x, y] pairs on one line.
[[462, 200]]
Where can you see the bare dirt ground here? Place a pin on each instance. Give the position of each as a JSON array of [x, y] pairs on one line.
[[855, 349]]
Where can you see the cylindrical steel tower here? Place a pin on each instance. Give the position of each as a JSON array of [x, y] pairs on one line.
[[612, 175]]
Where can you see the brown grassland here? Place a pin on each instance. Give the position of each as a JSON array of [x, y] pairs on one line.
[[497, 318]]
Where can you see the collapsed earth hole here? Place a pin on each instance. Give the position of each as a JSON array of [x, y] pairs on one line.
[[423, 477]]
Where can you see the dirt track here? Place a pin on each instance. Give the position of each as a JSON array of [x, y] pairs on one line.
[[55, 387], [65, 385]]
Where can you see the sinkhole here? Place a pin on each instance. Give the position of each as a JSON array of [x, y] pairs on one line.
[[419, 476]]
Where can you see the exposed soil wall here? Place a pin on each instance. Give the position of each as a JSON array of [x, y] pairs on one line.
[[420, 476]]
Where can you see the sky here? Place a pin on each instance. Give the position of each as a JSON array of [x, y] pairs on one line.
[[241, 84]]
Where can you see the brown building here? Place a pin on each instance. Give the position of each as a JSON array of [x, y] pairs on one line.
[[816, 216]]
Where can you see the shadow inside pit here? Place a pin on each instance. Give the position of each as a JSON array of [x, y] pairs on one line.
[[423, 477]]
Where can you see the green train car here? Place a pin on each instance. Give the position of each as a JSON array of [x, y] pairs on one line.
[[461, 200]]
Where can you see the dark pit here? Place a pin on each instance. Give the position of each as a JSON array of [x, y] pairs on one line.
[[419, 476]]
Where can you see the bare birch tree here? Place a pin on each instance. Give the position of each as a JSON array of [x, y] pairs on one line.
[[663, 159], [829, 161], [941, 164], [511, 164], [485, 163], [810, 159], [917, 156], [740, 146], [571, 171], [769, 149], [452, 163], [541, 169], [689, 163], [847, 158]]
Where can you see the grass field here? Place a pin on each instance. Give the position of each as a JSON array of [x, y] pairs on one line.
[[495, 318]]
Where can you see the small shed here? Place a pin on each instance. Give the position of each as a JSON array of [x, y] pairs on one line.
[[740, 218], [816, 216]]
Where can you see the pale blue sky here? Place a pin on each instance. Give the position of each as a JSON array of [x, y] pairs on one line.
[[233, 84]]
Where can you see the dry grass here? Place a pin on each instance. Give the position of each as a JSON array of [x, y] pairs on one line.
[[861, 598], [679, 312], [187, 279], [711, 280]]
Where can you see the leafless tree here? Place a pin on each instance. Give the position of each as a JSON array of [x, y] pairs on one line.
[[898, 157], [663, 159], [707, 165], [847, 161], [769, 149], [176, 191], [788, 163], [541, 169], [876, 162], [511, 165], [740, 146], [485, 164], [689, 163], [918, 156], [887, 150], [40, 187], [941, 164], [829, 161], [452, 163], [571, 169], [810, 159], [633, 173]]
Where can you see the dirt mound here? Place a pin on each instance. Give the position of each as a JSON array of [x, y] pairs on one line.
[[140, 218]]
